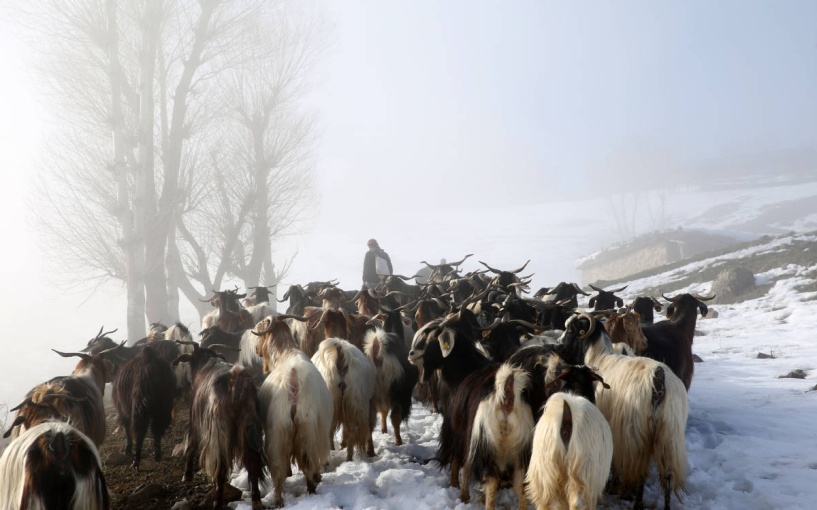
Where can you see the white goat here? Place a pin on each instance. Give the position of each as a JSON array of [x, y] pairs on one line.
[[350, 377], [572, 446], [296, 405]]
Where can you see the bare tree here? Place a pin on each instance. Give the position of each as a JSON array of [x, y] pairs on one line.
[[155, 102]]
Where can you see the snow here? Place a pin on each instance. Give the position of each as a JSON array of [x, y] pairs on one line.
[[751, 436]]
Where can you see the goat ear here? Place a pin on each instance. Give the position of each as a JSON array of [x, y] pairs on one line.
[[619, 302], [446, 340], [592, 302], [406, 321], [184, 358]]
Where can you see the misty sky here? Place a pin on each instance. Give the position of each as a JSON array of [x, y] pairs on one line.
[[478, 104], [460, 94]]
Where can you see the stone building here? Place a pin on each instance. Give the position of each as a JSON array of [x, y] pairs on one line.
[[648, 251]]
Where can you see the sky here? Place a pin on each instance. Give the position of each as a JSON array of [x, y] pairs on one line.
[[434, 116]]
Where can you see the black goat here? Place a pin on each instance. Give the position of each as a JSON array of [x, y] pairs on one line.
[[606, 299], [670, 341], [644, 306], [141, 397]]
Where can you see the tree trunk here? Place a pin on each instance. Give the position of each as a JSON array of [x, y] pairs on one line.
[[155, 280], [132, 245]]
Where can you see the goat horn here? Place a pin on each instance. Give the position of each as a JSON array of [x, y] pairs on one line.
[[595, 288], [579, 290], [619, 289], [497, 271], [82, 355], [591, 327], [515, 271], [320, 321], [223, 347], [492, 326], [22, 404], [703, 298], [115, 347], [461, 261], [525, 323], [670, 299]]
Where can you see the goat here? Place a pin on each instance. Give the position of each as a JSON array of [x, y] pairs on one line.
[[646, 410], [242, 348], [296, 406], [644, 306], [395, 378], [76, 398], [496, 424], [564, 291], [605, 299], [670, 341], [507, 279], [572, 444], [299, 300], [445, 270], [141, 399], [350, 377], [626, 329], [53, 465], [225, 422], [231, 317]]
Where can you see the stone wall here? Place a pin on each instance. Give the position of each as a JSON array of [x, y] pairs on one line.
[[631, 263]]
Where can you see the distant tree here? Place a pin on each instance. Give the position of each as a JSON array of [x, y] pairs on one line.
[[146, 178]]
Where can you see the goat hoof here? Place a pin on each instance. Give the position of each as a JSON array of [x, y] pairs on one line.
[[256, 505]]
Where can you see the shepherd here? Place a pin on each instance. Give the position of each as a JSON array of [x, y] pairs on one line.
[[376, 265]]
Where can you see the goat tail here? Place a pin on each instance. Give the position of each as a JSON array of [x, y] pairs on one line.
[[669, 424]]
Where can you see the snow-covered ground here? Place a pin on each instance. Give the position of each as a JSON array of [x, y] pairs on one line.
[[751, 436]]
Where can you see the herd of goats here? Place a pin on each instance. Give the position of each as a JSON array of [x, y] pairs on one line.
[[560, 402]]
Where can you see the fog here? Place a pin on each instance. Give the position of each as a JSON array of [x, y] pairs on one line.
[[434, 117]]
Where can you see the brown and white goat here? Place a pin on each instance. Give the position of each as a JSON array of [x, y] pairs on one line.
[[76, 398], [350, 377], [53, 465], [626, 329], [142, 400], [395, 378], [225, 422], [296, 406]]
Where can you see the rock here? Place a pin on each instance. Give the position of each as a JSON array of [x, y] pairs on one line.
[[118, 459], [697, 359], [794, 374], [732, 282], [230, 494], [182, 505], [763, 355], [147, 494], [711, 313]]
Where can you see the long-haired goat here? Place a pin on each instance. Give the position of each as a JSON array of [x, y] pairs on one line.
[[395, 378], [225, 422], [670, 341], [350, 377], [142, 400], [296, 406], [76, 398], [496, 422], [646, 410], [53, 465], [572, 444]]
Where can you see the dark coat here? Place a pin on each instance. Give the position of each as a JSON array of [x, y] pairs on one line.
[[370, 277]]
